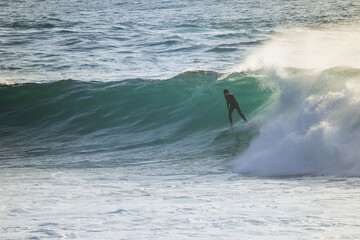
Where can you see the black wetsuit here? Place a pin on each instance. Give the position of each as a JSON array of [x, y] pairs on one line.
[[232, 104]]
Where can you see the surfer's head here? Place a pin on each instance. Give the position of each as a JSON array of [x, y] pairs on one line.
[[226, 91]]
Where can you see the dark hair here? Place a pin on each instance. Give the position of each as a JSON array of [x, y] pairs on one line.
[[226, 91]]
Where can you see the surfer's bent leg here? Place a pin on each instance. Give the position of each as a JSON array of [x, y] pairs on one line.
[[231, 109], [240, 113]]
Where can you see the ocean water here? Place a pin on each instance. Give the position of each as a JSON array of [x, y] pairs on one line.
[[113, 124]]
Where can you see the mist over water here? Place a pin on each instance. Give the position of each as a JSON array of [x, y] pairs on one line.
[[113, 124], [312, 48]]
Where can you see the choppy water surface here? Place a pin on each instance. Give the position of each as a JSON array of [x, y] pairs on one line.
[[113, 40]]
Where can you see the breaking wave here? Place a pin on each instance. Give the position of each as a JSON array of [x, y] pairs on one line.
[[313, 126]]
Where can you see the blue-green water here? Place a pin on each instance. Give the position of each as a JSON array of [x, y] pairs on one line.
[[113, 124], [125, 118]]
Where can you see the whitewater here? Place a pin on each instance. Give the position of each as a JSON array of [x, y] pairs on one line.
[[314, 123], [113, 124]]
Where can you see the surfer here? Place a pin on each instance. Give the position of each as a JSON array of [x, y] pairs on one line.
[[232, 104]]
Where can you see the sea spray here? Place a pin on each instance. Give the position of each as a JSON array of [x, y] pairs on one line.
[[313, 48], [313, 127]]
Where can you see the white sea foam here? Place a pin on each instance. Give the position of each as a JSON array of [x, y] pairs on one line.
[[314, 125], [135, 203]]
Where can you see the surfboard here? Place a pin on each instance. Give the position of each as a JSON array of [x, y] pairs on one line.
[[238, 127]]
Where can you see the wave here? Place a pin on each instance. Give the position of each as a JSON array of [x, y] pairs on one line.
[[301, 98], [313, 126], [42, 24], [186, 112], [223, 49]]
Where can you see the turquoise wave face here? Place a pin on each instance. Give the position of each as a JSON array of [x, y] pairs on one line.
[[184, 114]]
